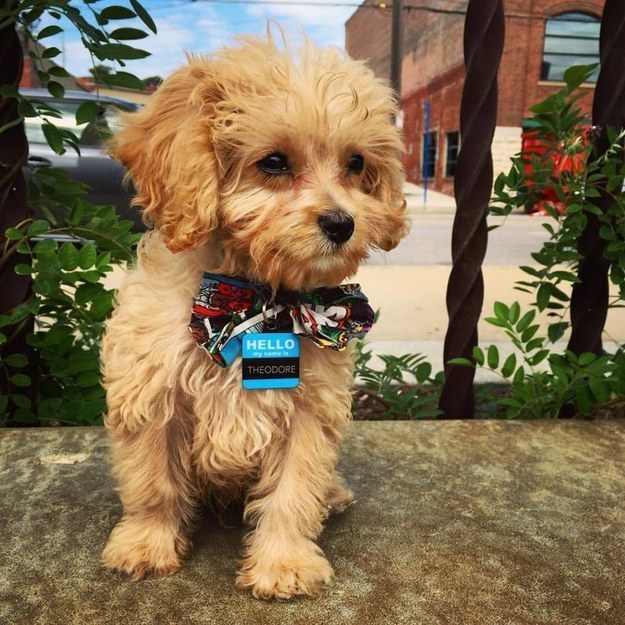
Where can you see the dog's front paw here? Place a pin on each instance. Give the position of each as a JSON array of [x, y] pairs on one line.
[[301, 572], [140, 548]]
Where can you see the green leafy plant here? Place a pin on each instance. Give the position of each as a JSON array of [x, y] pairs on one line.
[[544, 382], [70, 251], [403, 386], [541, 381], [70, 304]]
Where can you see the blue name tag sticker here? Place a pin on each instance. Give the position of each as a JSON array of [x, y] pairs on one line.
[[270, 360]]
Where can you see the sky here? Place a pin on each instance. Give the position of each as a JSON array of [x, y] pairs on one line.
[[201, 26]]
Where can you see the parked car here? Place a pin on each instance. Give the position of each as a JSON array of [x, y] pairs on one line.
[[557, 157], [93, 166]]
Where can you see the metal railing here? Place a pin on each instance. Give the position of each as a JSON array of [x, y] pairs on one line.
[[483, 47]]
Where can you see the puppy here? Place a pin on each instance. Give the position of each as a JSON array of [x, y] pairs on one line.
[[268, 176]]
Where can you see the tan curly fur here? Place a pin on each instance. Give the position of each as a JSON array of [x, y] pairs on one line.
[[181, 426]]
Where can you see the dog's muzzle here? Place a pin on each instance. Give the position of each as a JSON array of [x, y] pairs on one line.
[[337, 226]]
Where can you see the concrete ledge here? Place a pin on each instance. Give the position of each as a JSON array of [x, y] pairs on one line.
[[457, 523]]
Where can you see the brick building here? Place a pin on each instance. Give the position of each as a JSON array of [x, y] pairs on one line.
[[543, 37]]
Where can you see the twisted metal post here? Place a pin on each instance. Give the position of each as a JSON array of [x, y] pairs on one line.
[[589, 300], [483, 47], [14, 289]]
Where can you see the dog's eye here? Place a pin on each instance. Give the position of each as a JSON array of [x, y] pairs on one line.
[[355, 164], [275, 163]]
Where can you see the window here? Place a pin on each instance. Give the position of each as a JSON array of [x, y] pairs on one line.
[[91, 134], [570, 39], [451, 155], [428, 167]]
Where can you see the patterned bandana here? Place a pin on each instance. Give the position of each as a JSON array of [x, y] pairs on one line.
[[227, 308]]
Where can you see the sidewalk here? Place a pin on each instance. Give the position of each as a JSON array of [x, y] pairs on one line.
[[456, 523], [413, 314], [433, 202]]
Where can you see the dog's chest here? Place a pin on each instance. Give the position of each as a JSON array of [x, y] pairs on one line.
[[236, 428]]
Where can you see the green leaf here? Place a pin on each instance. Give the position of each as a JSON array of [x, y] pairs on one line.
[[90, 276], [586, 359], [87, 112], [13, 234], [21, 401], [16, 361], [46, 246], [43, 76], [495, 321], [128, 34], [600, 390], [478, 355], [529, 333], [538, 357], [25, 415], [501, 311], [22, 269], [49, 31], [102, 305], [144, 16], [87, 256], [89, 378], [50, 53], [9, 91], [126, 80], [20, 379], [509, 366], [117, 13], [525, 321], [87, 292], [514, 313], [519, 377], [68, 256], [535, 344], [38, 227], [119, 51], [58, 71], [556, 331], [543, 295], [26, 109], [492, 356], [584, 400], [54, 137], [104, 260], [462, 362]]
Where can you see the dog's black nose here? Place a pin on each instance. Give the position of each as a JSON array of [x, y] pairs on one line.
[[337, 226]]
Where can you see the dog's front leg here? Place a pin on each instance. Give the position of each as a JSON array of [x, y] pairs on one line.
[[152, 468], [287, 506]]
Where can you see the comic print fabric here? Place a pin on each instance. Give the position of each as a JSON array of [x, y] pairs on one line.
[[227, 308]]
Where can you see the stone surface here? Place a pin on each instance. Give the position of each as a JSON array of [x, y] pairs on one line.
[[457, 523]]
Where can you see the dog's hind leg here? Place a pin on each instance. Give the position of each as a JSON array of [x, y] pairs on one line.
[[288, 508], [152, 468], [338, 496]]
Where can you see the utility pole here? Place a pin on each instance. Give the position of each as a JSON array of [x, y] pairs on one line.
[[397, 46]]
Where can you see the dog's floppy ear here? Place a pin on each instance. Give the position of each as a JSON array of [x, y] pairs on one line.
[[384, 180], [390, 190], [167, 149]]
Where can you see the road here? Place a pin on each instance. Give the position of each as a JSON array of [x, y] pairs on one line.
[[429, 242]]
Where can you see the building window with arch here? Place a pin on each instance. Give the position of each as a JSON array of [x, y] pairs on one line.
[[570, 39]]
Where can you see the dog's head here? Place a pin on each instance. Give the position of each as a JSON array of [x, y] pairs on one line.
[[291, 162]]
